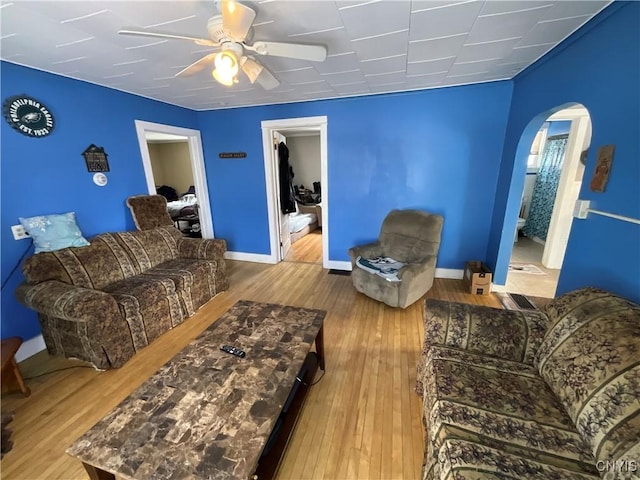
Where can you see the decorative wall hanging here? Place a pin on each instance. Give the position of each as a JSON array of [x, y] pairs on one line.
[[603, 168], [232, 155], [28, 116], [100, 179], [96, 159]]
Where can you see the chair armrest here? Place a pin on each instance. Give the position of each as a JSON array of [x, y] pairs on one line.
[[508, 334], [202, 248], [369, 250]]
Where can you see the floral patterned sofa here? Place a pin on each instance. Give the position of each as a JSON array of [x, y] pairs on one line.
[[103, 302], [532, 395]]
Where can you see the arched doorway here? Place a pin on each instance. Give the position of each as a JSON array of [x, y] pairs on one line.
[[550, 160]]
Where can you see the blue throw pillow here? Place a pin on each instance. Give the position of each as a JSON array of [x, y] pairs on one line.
[[54, 232]]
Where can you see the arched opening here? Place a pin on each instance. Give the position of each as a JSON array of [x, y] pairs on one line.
[[550, 163]]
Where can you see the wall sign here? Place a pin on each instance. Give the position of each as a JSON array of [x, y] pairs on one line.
[[232, 155], [96, 159], [28, 116]]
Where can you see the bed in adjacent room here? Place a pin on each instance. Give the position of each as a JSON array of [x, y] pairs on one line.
[[301, 223]]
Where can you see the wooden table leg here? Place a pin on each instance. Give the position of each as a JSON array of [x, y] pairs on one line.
[[96, 473], [320, 347], [11, 376]]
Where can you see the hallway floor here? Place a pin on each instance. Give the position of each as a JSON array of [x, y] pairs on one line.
[[308, 249], [527, 251]]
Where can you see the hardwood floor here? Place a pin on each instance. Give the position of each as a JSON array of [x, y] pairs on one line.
[[362, 420], [308, 249]]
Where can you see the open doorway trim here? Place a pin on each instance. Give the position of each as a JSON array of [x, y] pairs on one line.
[[318, 124], [197, 167]]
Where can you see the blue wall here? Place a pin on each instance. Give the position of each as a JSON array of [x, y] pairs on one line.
[[598, 67], [49, 175], [437, 150]]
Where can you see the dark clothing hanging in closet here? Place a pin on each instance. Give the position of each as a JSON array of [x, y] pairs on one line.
[[287, 199]]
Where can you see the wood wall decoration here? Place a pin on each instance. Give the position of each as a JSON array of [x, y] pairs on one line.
[[96, 159], [603, 168]]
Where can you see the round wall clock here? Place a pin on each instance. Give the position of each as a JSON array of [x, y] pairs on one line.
[[28, 116]]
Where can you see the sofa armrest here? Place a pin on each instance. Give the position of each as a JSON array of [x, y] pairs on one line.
[[62, 300], [202, 248], [69, 310], [508, 334], [370, 250]]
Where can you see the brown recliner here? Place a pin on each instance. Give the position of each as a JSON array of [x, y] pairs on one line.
[[408, 236]]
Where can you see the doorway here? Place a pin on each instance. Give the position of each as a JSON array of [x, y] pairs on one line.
[[301, 236], [552, 184], [148, 130]]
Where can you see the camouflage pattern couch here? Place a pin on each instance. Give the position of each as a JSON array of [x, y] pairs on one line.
[[104, 302], [532, 395]]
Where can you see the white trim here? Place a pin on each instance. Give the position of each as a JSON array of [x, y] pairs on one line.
[[197, 167], [30, 348], [498, 288], [250, 257], [318, 124], [454, 273], [338, 264]]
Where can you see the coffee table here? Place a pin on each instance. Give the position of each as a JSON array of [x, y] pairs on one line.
[[206, 413]]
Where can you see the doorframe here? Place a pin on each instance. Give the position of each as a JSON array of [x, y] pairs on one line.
[[318, 124], [197, 167]]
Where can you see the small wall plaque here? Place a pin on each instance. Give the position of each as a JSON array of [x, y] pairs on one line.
[[603, 168], [96, 159], [232, 155]]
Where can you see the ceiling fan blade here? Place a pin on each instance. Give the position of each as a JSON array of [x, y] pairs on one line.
[[258, 73], [314, 53], [196, 66], [236, 19], [197, 41]]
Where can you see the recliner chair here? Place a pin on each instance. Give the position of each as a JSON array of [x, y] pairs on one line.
[[408, 236]]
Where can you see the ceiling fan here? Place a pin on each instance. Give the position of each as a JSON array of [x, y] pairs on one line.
[[229, 32]]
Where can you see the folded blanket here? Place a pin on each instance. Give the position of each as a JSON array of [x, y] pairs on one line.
[[386, 267]]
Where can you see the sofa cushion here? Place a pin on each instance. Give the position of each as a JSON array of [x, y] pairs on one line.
[[460, 459], [500, 404], [590, 358], [148, 248], [94, 266], [194, 280], [150, 306]]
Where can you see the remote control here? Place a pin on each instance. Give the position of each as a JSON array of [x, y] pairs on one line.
[[233, 351]]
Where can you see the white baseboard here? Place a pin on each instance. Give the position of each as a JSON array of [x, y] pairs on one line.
[[250, 257], [30, 348], [453, 273], [338, 265], [498, 288], [539, 241]]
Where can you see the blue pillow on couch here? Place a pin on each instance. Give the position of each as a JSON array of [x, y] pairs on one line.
[[54, 232]]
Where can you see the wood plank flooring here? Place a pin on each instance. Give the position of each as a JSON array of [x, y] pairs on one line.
[[308, 249], [361, 421]]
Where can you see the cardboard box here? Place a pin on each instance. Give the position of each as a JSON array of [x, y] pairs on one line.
[[477, 277]]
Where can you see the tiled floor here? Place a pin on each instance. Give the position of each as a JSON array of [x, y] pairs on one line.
[[527, 251]]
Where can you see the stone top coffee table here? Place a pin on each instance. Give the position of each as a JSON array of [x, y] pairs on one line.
[[206, 413]]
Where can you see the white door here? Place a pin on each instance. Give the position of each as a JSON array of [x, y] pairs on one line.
[[285, 236]]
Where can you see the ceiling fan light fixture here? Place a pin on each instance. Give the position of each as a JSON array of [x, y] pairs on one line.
[[226, 69]]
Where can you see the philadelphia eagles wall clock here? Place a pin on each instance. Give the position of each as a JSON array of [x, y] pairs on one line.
[[28, 116]]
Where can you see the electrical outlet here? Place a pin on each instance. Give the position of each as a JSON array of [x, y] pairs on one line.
[[19, 233]]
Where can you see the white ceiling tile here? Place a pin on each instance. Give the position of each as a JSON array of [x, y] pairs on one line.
[[500, 8], [442, 22], [394, 44], [339, 63], [298, 76], [499, 27], [552, 31], [346, 77], [564, 9], [467, 68], [386, 65], [436, 48], [354, 89], [429, 68], [525, 54], [388, 77], [482, 51], [375, 18]]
